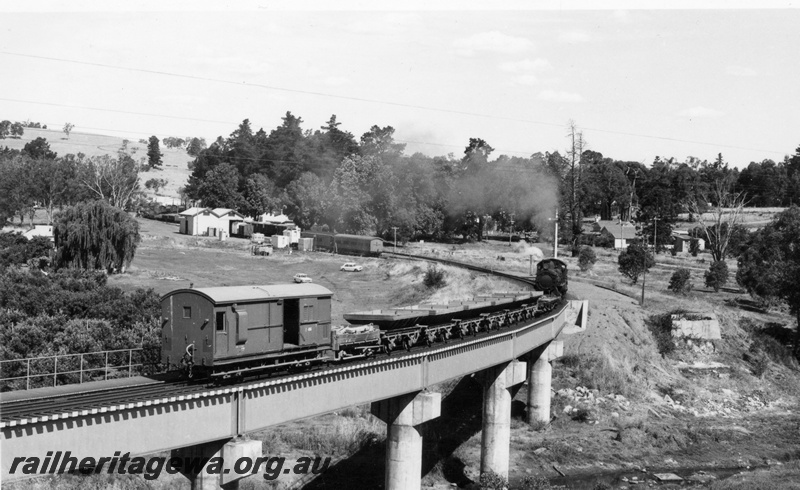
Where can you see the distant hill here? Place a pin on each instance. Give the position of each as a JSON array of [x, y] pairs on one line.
[[175, 168]]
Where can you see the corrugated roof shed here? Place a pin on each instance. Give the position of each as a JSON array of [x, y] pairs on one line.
[[193, 211]]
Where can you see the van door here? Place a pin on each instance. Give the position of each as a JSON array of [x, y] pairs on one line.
[[220, 333]]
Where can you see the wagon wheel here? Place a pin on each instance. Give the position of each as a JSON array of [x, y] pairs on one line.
[[406, 344]]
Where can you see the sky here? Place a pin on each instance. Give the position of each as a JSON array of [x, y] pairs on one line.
[[638, 79]]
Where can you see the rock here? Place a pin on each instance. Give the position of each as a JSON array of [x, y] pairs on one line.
[[728, 393], [614, 415], [668, 399], [568, 409], [540, 451]]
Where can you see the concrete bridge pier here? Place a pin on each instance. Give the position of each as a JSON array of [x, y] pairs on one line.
[[220, 457], [403, 415], [540, 377], [499, 385]]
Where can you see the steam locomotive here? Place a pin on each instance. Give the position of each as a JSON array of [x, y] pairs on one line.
[[551, 277]]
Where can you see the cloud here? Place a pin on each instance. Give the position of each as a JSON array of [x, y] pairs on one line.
[[558, 96], [492, 41], [700, 111], [525, 80], [574, 37], [526, 66], [740, 71]]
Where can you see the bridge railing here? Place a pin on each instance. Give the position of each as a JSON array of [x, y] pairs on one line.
[[62, 369]]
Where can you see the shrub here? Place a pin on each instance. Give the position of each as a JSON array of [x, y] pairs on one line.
[[660, 327], [694, 247], [717, 275], [434, 277], [586, 259], [634, 261], [535, 482], [680, 282], [492, 481]]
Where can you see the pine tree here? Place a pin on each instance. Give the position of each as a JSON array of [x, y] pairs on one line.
[[154, 153]]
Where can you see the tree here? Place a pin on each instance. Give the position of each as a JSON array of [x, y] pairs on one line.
[[770, 267], [717, 275], [219, 189], [113, 180], [261, 196], [17, 130], [5, 129], [38, 148], [155, 184], [153, 153], [586, 258], [95, 236], [635, 261], [195, 145], [680, 282], [380, 141], [725, 214], [67, 128]]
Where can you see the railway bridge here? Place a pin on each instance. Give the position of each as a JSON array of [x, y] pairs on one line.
[[215, 421]]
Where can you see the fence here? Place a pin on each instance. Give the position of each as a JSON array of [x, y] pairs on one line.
[[62, 369]]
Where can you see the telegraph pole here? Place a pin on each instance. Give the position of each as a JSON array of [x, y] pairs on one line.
[[395, 238], [655, 236], [511, 229], [555, 238]]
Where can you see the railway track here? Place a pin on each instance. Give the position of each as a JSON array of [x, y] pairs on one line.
[[97, 400]]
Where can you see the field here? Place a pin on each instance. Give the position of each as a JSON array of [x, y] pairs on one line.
[[174, 169]]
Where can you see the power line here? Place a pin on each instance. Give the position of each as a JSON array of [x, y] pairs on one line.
[[373, 101]]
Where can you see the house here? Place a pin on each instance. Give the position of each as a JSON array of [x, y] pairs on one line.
[[623, 233]]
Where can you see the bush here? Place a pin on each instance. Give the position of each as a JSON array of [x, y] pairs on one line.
[[694, 247], [492, 481], [680, 282], [660, 327], [586, 259], [434, 277], [634, 261], [717, 275]]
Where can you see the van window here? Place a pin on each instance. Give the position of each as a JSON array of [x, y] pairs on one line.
[[219, 321]]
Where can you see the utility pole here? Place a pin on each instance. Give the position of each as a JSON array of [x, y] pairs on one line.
[[555, 238], [511, 229], [395, 238], [644, 267], [655, 236]]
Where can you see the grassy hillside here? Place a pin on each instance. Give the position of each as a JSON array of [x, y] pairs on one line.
[[174, 170]]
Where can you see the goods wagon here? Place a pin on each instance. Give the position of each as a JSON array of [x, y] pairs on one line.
[[250, 326], [345, 244]]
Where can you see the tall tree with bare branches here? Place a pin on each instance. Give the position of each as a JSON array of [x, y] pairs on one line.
[[113, 180], [718, 222]]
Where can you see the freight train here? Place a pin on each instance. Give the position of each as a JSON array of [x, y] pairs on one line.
[[233, 331]]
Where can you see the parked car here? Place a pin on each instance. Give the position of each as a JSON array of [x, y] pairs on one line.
[[301, 278], [351, 267]]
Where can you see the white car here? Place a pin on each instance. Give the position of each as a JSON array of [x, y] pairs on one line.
[[301, 278], [351, 267]]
